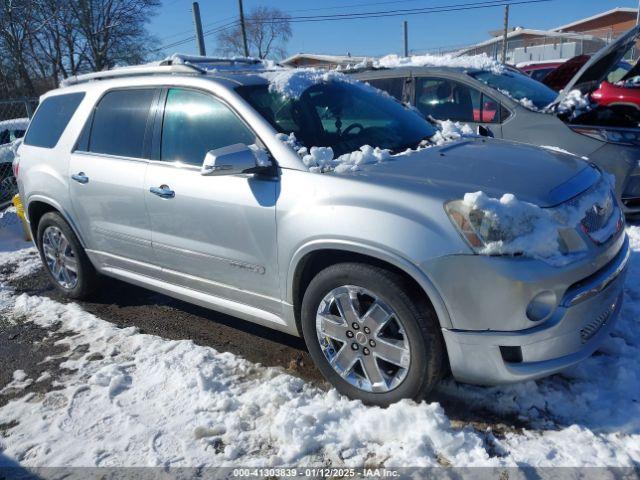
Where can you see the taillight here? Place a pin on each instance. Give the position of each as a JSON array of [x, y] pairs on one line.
[[16, 166]]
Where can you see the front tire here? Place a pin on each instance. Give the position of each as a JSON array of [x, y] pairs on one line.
[[64, 259], [369, 337]]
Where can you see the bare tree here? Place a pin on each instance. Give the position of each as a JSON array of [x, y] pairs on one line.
[[43, 41], [268, 31]]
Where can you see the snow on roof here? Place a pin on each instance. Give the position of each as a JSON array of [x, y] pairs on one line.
[[293, 82], [634, 11], [478, 62], [338, 59], [530, 63]]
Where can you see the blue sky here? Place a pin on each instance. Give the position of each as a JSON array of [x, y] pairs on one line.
[[376, 36]]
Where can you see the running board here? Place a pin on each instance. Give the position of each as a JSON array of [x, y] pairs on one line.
[[219, 304]]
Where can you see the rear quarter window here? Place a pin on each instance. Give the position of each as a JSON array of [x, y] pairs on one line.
[[51, 119]]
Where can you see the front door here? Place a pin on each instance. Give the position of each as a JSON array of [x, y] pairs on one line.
[[215, 234], [106, 173]]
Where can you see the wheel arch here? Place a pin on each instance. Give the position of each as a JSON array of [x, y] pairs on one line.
[[38, 206], [311, 259]]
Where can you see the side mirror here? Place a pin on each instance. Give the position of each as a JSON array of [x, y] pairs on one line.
[[484, 131], [229, 160]]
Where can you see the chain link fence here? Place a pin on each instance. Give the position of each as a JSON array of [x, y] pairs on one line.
[[14, 119]]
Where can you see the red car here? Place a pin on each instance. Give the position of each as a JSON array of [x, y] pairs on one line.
[[611, 81], [539, 70]]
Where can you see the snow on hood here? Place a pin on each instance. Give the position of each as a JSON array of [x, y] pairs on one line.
[[533, 231], [574, 104], [321, 159], [475, 62]]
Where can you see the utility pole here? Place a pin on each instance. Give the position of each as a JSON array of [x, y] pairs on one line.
[[504, 35], [638, 14], [198, 24], [244, 30], [406, 37]]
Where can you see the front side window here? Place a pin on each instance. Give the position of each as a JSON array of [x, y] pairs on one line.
[[340, 115], [51, 119], [120, 122], [518, 86], [195, 123]]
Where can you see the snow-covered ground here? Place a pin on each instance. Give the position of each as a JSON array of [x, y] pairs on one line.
[[125, 398]]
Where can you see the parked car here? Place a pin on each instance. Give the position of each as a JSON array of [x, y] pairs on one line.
[[11, 131], [539, 70], [192, 183], [515, 107]]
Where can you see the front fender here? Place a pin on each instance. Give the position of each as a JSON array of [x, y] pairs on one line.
[[372, 251]]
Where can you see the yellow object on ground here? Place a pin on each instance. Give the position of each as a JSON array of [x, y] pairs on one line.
[[20, 212]]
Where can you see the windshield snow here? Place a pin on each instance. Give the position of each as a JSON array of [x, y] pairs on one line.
[[522, 88], [340, 115]]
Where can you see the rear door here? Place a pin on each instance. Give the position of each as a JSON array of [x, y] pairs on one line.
[[447, 99], [107, 172], [215, 234]]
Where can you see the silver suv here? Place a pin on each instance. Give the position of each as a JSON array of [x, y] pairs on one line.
[[188, 181]]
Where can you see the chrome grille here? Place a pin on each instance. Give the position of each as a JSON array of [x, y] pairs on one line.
[[590, 329], [597, 216]]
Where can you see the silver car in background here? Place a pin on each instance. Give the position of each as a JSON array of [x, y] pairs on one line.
[[174, 178], [510, 105]]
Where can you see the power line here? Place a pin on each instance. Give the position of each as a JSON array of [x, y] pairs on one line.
[[400, 12]]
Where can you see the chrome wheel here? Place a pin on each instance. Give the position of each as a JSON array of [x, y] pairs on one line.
[[363, 339], [60, 257]]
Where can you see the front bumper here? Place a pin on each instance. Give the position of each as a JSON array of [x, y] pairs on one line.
[[585, 315]]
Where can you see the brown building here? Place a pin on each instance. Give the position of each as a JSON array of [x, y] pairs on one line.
[[321, 61], [607, 25]]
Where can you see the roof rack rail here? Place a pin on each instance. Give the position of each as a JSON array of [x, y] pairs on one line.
[[149, 69], [174, 64]]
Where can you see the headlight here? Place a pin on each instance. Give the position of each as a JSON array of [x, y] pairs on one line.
[[508, 226], [619, 136]]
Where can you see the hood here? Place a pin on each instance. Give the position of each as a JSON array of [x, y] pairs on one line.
[[594, 71], [557, 79], [535, 175]]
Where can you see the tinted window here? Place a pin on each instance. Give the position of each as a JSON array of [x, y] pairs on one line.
[[447, 100], [120, 122], [540, 73], [393, 86], [195, 123], [51, 119], [340, 115], [518, 86]]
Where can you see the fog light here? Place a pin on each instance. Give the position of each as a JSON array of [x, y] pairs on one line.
[[542, 306]]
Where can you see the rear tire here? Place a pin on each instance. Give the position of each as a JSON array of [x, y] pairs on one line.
[[64, 259], [348, 345]]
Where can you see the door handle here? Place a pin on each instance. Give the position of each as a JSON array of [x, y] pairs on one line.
[[163, 191], [80, 177]]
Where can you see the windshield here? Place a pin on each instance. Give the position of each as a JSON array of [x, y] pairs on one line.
[[342, 116], [518, 86]]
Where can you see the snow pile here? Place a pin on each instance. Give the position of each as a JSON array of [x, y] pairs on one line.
[[524, 101], [471, 62], [449, 131], [262, 157], [527, 229], [574, 104], [139, 400], [131, 399]]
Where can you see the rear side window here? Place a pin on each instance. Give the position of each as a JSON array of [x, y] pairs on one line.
[[393, 86], [195, 123], [446, 99], [120, 122], [51, 119]]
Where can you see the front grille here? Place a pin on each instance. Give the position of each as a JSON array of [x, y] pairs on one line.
[[593, 327]]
